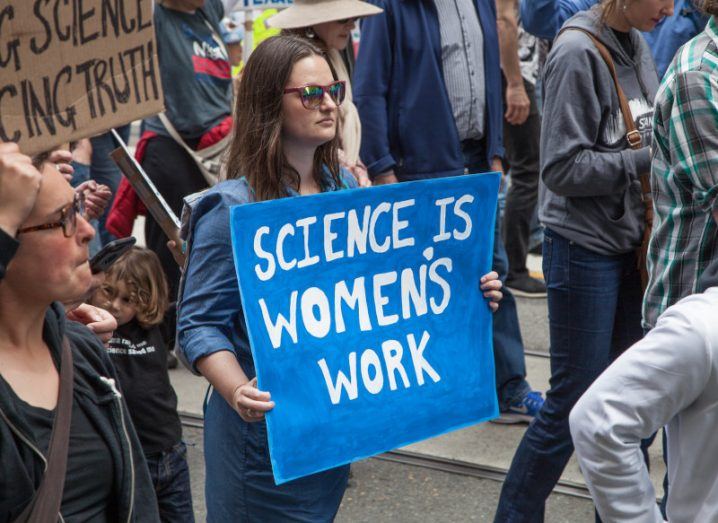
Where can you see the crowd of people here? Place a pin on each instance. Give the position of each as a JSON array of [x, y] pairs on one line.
[[602, 116]]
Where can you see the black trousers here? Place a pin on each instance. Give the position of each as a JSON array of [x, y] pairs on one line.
[[176, 175], [522, 157]]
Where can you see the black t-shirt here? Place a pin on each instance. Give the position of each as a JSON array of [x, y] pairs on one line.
[[88, 491], [625, 40], [140, 357]]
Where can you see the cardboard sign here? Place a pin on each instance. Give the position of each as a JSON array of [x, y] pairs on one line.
[[249, 5], [366, 321], [70, 69]]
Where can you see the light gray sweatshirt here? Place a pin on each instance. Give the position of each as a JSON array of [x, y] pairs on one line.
[[669, 377], [590, 190]]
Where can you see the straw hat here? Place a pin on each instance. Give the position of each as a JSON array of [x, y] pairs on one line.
[[306, 13]]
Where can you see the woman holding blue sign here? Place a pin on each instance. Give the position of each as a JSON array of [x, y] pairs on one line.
[[285, 144]]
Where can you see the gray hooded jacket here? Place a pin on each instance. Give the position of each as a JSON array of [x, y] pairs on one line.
[[590, 191]]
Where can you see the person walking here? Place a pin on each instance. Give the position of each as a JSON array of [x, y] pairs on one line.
[[522, 132], [591, 205], [427, 85], [668, 379], [683, 174]]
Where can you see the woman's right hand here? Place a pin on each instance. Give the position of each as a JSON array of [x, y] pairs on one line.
[[178, 249], [251, 403], [19, 185]]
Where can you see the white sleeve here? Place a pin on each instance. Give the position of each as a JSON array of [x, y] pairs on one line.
[[637, 395]]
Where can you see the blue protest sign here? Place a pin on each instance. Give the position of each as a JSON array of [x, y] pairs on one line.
[[365, 317]]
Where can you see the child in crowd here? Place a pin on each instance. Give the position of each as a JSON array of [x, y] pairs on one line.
[[135, 293]]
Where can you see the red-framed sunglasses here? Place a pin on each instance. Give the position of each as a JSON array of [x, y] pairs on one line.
[[312, 95], [68, 218]]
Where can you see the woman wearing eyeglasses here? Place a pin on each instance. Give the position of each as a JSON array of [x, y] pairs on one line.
[[100, 474], [328, 24]]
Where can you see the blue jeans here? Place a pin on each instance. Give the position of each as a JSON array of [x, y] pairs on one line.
[[170, 476], [511, 384], [104, 171], [594, 304]]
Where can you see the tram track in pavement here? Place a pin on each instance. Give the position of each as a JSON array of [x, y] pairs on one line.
[[537, 354], [451, 466]]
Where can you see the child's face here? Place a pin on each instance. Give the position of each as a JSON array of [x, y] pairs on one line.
[[115, 297]]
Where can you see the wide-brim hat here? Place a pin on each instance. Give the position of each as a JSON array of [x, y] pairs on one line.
[[306, 13]]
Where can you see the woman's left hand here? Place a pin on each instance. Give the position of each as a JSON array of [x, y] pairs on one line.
[[361, 174], [491, 287], [62, 160], [97, 198], [178, 249]]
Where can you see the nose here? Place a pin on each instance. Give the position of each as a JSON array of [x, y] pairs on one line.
[[85, 231], [328, 103], [668, 9], [114, 305]]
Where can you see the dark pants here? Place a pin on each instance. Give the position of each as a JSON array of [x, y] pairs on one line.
[[594, 304], [176, 175], [104, 170], [522, 158], [511, 382], [170, 476], [239, 484]]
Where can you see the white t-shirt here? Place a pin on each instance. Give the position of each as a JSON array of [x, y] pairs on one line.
[[528, 56]]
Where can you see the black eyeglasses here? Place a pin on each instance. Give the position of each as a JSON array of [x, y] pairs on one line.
[[312, 95], [348, 20], [68, 218]]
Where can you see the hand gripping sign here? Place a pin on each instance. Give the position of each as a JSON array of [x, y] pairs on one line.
[[366, 321]]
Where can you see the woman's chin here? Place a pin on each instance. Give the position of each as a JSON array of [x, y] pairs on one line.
[[79, 290], [341, 45]]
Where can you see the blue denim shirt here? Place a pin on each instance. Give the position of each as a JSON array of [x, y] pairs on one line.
[[210, 317]]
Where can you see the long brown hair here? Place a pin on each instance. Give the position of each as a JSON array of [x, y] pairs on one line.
[[256, 151], [607, 8]]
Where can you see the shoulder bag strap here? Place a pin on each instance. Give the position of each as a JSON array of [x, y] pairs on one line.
[[45, 506], [635, 142], [215, 34], [632, 134], [212, 151]]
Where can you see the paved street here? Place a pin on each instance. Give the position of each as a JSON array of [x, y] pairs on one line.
[[381, 491]]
